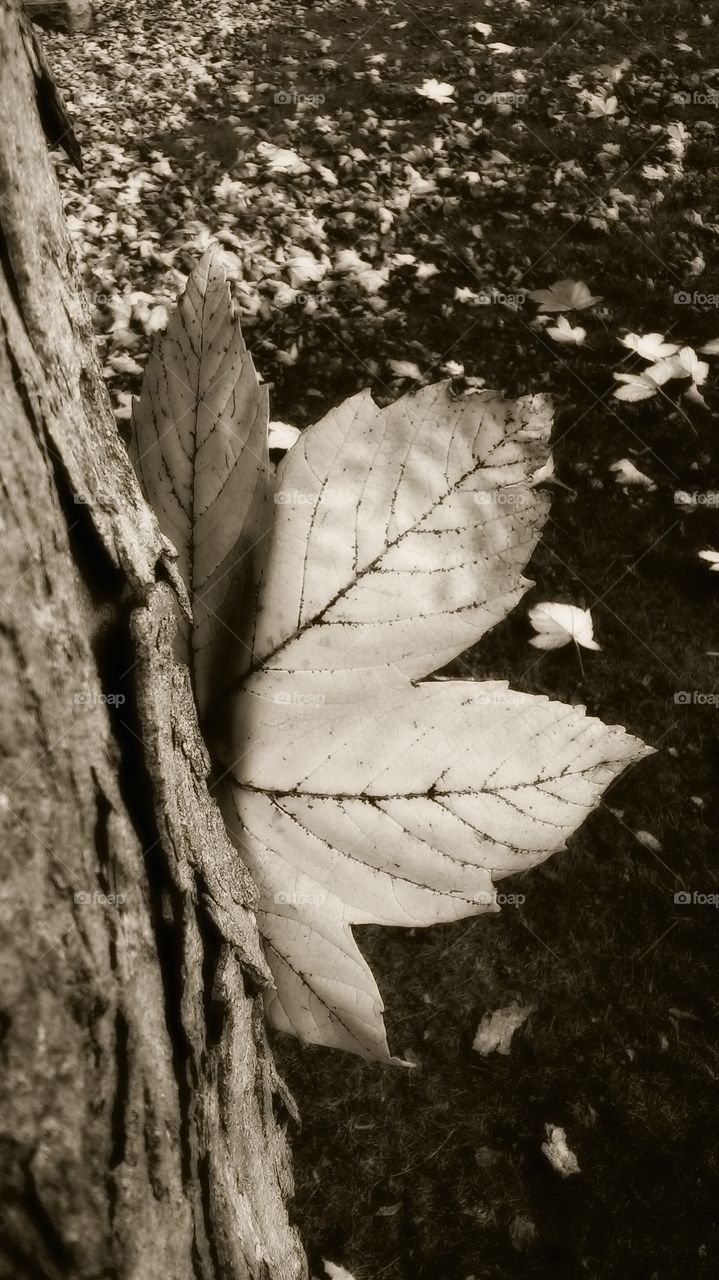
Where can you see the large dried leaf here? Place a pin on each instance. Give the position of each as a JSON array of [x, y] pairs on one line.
[[354, 794], [400, 534], [200, 449]]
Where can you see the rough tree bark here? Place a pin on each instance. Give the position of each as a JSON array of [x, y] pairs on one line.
[[142, 1121]]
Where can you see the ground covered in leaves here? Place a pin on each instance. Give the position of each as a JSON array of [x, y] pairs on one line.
[[377, 234]]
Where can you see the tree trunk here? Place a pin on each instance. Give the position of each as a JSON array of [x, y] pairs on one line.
[[141, 1115]]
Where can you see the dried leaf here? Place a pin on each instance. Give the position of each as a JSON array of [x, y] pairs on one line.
[[637, 386], [355, 791], [650, 346], [565, 333], [562, 1160], [557, 624], [280, 435], [564, 295], [495, 1031], [335, 1272], [627, 475], [711, 558], [436, 91]]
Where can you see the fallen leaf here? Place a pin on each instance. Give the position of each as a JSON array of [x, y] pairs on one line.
[[436, 91], [304, 268], [654, 172], [650, 346], [558, 624], [698, 370], [637, 386], [563, 332], [711, 558], [694, 396], [124, 364], [498, 158], [600, 105], [496, 1029], [626, 474], [522, 1232], [281, 159], [678, 138], [425, 270], [405, 369], [335, 1272], [280, 435], [355, 790], [565, 295], [664, 370], [157, 320], [649, 841], [562, 1160], [417, 183]]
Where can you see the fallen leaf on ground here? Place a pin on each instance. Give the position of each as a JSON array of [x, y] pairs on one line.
[[356, 791], [335, 1272], [649, 841], [280, 435], [563, 332], [436, 91], [600, 105], [626, 474], [495, 1031], [684, 364], [522, 1232], [557, 624], [281, 159], [711, 558], [562, 1160], [650, 346], [565, 295], [405, 369], [636, 386]]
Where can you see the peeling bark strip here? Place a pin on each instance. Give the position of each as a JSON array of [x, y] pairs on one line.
[[137, 1131]]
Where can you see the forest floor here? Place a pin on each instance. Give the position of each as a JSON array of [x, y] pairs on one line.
[[366, 224]]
